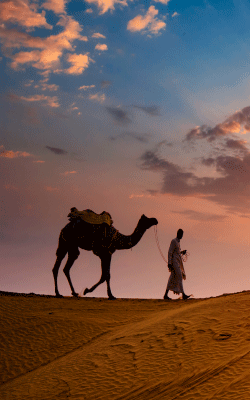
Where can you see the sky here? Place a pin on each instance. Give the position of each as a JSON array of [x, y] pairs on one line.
[[133, 108]]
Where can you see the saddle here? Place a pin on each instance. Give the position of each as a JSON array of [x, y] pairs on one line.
[[90, 217]]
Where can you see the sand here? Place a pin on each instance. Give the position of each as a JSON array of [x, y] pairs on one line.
[[91, 348]]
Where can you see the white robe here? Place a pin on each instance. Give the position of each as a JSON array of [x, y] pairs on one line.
[[178, 273]]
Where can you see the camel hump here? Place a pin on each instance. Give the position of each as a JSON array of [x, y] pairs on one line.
[[90, 216]]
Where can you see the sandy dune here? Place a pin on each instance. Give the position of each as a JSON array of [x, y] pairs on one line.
[[125, 349]]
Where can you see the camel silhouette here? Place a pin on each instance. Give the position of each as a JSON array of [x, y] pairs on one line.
[[102, 239]]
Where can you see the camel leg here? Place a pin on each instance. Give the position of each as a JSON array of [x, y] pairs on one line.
[[61, 253], [110, 295], [72, 256], [105, 260], [102, 279]]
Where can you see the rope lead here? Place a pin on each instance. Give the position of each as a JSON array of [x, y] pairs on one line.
[[183, 256], [158, 245]]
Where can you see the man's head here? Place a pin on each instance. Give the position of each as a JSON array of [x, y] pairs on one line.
[[180, 233]]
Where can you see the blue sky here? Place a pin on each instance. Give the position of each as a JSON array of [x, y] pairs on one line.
[[129, 107]]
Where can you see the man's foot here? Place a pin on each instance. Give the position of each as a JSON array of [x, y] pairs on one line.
[[185, 296], [166, 297], [59, 296], [86, 291]]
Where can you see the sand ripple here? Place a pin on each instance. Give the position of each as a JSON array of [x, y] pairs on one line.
[[126, 349]]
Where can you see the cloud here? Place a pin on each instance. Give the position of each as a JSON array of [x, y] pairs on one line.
[[148, 23], [200, 216], [57, 150], [105, 5], [239, 122], [175, 14], [50, 87], [226, 170], [73, 107], [89, 11], [119, 115], [43, 85], [237, 145], [50, 101], [153, 110], [86, 87], [29, 83], [99, 97], [165, 2], [57, 6], [230, 188], [39, 161], [133, 135], [23, 13], [101, 47], [79, 63], [69, 173], [98, 36], [12, 154], [105, 84], [44, 53]]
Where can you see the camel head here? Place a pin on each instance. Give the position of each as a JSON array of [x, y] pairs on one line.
[[146, 223]]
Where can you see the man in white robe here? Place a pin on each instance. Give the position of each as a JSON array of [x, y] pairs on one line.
[[175, 266]]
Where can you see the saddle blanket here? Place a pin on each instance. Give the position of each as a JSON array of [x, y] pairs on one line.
[[90, 216]]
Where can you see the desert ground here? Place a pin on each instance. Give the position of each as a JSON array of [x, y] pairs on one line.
[[94, 348]]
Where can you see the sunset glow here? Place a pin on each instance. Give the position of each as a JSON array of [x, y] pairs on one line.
[[133, 108]]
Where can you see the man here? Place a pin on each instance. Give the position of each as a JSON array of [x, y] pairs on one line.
[[176, 268]]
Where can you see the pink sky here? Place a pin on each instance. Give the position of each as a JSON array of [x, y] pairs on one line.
[[134, 109]]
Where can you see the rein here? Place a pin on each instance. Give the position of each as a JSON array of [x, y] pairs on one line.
[[158, 244], [183, 256]]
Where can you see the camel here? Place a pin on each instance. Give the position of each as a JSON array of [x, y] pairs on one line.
[[102, 239]]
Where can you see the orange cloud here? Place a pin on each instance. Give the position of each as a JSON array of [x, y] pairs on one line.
[[165, 2], [23, 13], [239, 122], [51, 101], [46, 53], [43, 85], [97, 97], [12, 154], [79, 63], [98, 36], [86, 87], [58, 6], [101, 47], [105, 5], [69, 172], [147, 23], [50, 87]]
